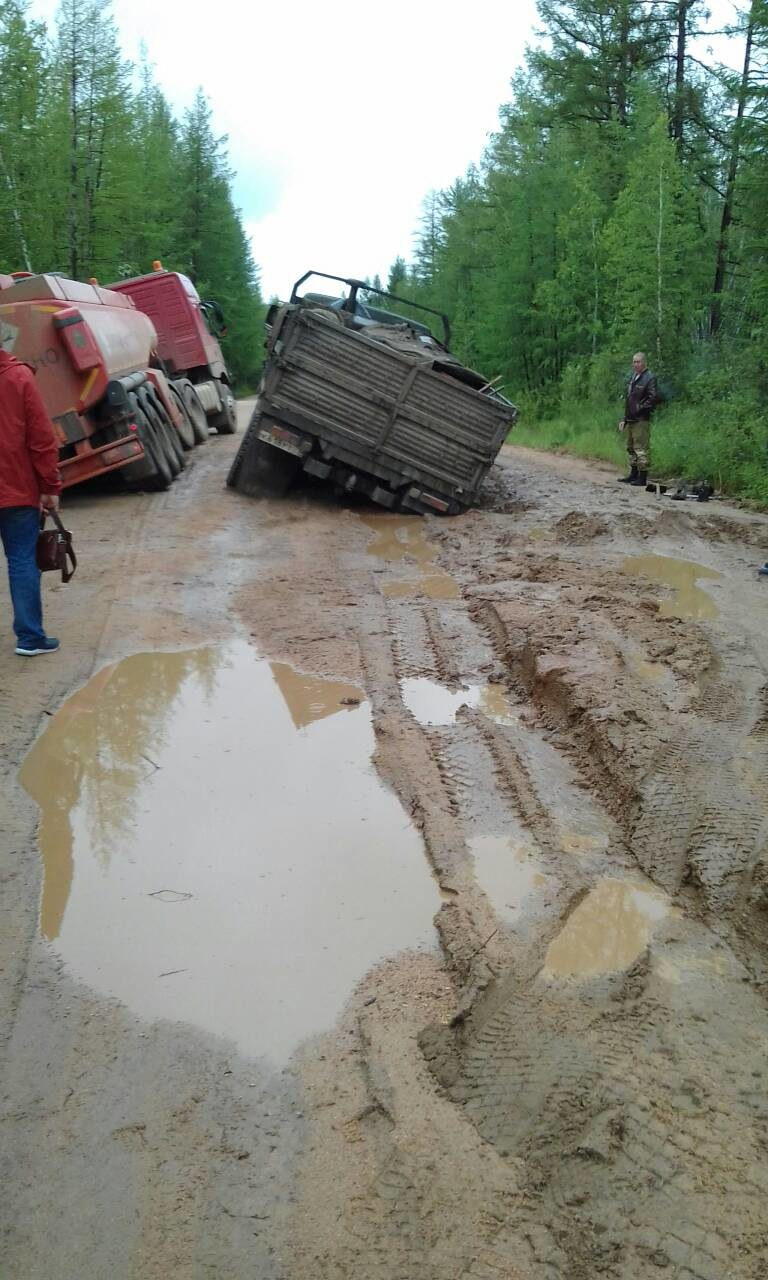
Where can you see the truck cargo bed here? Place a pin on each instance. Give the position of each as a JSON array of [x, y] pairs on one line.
[[386, 403]]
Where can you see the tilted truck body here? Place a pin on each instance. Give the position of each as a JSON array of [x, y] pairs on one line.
[[372, 403], [92, 352], [186, 347]]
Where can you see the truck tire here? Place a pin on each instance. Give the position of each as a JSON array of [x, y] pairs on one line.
[[259, 469], [162, 477], [165, 433], [186, 430], [226, 421], [195, 411]]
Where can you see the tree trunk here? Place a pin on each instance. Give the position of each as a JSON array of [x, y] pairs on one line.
[[716, 311], [678, 110], [624, 65], [595, 289], [73, 159], [659, 267], [15, 215]]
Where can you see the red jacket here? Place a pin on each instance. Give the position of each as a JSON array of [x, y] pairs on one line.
[[29, 452]]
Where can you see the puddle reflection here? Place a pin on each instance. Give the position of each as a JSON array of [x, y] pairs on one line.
[[689, 600], [432, 703], [218, 848], [607, 931], [506, 872], [402, 538]]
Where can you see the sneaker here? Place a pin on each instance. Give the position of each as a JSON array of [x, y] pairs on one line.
[[763, 570], [48, 646]]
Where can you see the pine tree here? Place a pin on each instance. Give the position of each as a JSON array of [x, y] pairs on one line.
[[655, 253], [22, 75]]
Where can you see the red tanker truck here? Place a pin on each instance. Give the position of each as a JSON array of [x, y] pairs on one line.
[[187, 347], [93, 353]]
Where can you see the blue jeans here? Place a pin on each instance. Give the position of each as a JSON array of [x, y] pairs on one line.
[[18, 529]]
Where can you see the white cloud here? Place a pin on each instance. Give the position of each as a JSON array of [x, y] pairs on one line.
[[350, 110], [341, 115]]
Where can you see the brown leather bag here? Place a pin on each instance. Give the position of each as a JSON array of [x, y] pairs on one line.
[[54, 547]]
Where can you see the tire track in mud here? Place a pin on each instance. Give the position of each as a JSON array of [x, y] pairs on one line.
[[537, 1126], [622, 1111], [621, 1181], [671, 777]]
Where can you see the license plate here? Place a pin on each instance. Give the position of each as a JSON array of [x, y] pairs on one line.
[[283, 440]]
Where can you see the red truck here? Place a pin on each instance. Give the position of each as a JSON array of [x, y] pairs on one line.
[[187, 347], [93, 353]]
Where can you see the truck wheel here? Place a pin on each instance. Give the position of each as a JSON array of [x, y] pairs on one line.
[[166, 434], [226, 421], [152, 471], [185, 429], [195, 410], [163, 475], [173, 439], [259, 469]]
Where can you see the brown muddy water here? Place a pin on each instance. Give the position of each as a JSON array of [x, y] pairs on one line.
[[218, 848], [401, 539], [689, 600], [607, 931]]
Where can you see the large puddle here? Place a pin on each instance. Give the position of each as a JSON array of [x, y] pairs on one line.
[[401, 539], [218, 848], [689, 600], [607, 931]]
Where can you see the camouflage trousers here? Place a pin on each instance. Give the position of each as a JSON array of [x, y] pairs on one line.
[[639, 444]]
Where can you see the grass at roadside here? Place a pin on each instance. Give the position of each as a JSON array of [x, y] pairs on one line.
[[689, 443]]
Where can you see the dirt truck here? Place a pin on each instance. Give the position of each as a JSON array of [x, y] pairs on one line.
[[187, 345], [92, 351], [370, 401]]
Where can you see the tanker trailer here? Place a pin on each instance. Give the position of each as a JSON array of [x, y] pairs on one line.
[[92, 352]]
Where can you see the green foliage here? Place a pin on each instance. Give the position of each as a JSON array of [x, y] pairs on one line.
[[97, 178], [619, 207]]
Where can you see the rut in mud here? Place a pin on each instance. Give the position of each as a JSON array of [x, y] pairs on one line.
[[548, 719], [598, 830]]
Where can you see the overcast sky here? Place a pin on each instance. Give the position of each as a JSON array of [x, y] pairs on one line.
[[341, 115]]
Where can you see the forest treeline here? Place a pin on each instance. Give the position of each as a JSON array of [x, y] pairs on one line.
[[621, 205], [99, 178]]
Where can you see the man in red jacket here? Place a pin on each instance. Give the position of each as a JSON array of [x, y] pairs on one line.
[[29, 481]]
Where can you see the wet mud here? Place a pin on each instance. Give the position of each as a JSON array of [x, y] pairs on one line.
[[452, 837]]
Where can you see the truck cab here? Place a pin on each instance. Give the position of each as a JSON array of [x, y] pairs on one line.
[[187, 347]]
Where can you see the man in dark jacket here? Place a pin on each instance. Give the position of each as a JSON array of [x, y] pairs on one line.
[[640, 402], [29, 482]]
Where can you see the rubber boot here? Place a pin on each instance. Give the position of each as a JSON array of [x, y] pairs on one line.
[[631, 478], [640, 479]]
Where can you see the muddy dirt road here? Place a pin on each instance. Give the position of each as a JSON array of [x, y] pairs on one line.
[[388, 898]]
